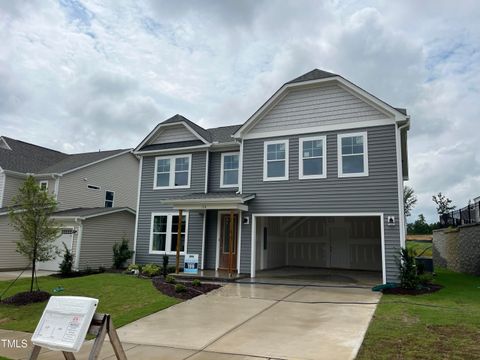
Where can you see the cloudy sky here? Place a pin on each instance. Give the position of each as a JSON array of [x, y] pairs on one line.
[[86, 75]]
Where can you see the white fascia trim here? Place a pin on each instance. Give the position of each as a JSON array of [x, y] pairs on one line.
[[90, 164], [139, 187], [168, 239], [265, 153], [222, 185], [225, 206], [401, 209], [17, 174], [159, 126], [207, 166], [319, 129], [301, 140], [340, 157], [204, 227], [173, 150], [5, 142], [239, 240], [240, 170], [172, 172], [113, 211], [261, 215]]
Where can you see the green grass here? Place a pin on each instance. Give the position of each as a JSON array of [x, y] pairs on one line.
[[441, 325], [126, 298], [420, 247]]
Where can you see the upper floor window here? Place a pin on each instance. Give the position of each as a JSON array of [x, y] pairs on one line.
[[164, 234], [43, 185], [313, 156], [109, 195], [352, 155], [172, 171], [275, 160], [229, 170]]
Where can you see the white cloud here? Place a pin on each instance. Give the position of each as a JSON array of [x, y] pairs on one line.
[[79, 76]]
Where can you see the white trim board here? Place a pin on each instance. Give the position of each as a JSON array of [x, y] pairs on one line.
[[299, 214], [172, 171], [168, 240], [139, 187], [286, 142], [340, 155], [301, 140], [222, 165]]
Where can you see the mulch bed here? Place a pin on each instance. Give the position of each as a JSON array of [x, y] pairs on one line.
[[191, 291], [25, 298], [425, 289]]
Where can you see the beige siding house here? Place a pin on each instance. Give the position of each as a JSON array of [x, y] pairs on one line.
[[95, 191]]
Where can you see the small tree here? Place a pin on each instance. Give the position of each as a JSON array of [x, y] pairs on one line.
[[409, 278], [67, 262], [443, 204], [121, 253], [31, 217], [409, 200]]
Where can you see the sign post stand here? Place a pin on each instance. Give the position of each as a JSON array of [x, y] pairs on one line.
[[100, 326]]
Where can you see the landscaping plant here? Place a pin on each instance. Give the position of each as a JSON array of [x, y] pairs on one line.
[[196, 282], [180, 288], [151, 270], [67, 262], [31, 216], [121, 253], [409, 278], [170, 279]]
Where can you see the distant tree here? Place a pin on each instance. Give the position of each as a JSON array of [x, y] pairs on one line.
[[420, 227], [444, 204], [409, 200], [31, 217]]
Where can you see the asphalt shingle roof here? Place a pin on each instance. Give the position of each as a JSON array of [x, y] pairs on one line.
[[81, 212], [211, 196], [173, 145], [315, 74], [223, 134]]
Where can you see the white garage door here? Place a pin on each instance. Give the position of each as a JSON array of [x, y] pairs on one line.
[[54, 264]]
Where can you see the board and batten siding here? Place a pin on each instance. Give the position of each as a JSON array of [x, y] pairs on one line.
[[99, 235], [118, 174], [376, 193], [311, 107], [10, 189], [214, 173], [150, 203], [172, 134], [9, 258]]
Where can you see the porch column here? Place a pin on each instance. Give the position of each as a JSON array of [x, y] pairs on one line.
[[179, 240], [230, 245]]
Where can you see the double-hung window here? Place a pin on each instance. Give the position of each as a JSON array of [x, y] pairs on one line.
[[313, 157], [44, 185], [229, 170], [352, 155], [275, 160], [164, 233], [109, 195], [172, 171]]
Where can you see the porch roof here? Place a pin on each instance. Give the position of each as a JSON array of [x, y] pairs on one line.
[[210, 201]]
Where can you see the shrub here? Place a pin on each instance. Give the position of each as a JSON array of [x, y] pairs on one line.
[[196, 282], [179, 288], [121, 253], [151, 270], [132, 267], [165, 265], [101, 269], [170, 279], [67, 262], [409, 278], [425, 279]]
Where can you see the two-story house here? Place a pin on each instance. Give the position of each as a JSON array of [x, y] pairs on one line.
[[96, 194], [314, 178]]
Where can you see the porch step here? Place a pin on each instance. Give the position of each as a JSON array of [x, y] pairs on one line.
[[210, 275]]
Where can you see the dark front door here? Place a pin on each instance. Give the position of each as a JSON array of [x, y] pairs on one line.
[[225, 242]]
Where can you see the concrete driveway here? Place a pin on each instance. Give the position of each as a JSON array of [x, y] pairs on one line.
[[252, 321]]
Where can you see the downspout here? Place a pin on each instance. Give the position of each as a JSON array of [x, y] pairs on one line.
[[401, 210], [79, 243]]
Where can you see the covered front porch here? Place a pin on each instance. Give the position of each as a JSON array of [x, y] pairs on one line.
[[220, 251]]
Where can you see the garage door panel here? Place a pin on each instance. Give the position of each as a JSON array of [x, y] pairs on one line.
[[308, 253], [365, 256], [54, 264]]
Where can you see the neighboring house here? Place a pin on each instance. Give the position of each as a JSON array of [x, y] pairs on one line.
[[95, 191], [313, 178]]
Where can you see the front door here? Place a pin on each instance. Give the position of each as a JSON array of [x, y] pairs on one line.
[[225, 243]]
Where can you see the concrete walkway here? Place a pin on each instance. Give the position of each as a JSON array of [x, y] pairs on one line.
[[13, 274], [250, 321]]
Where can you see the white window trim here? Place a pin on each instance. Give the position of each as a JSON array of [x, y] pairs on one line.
[[172, 172], [323, 175], [168, 240], [41, 182], [222, 185], [113, 201], [365, 154], [287, 151]]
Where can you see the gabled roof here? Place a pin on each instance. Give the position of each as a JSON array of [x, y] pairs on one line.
[[315, 74], [86, 213], [26, 158], [198, 129], [223, 134]]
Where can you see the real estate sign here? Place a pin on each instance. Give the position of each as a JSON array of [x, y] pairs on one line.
[[191, 264]]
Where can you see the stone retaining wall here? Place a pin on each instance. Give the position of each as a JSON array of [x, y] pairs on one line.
[[458, 249]]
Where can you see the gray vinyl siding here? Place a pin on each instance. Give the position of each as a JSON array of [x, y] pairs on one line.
[[119, 174], [323, 105], [376, 193], [9, 258], [214, 173], [12, 184], [211, 239], [174, 133], [150, 203], [100, 234]]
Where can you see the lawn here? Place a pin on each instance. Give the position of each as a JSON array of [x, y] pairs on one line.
[[126, 298], [420, 247], [442, 325]]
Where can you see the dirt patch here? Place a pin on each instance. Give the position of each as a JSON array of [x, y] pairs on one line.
[[426, 289], [190, 292], [25, 298]]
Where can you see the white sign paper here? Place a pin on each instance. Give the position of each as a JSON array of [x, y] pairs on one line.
[[65, 322]]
